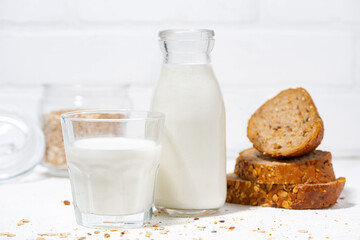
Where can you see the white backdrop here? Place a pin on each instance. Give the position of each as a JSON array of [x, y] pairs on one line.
[[262, 47]]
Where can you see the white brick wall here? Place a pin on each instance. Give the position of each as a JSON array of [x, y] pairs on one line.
[[215, 11], [311, 12], [79, 56], [34, 11], [349, 11], [300, 11], [268, 57], [262, 46]]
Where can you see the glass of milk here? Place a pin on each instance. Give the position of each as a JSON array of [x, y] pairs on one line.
[[113, 158]]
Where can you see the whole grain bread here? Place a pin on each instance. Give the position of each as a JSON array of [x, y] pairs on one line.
[[293, 196], [287, 125], [314, 167]]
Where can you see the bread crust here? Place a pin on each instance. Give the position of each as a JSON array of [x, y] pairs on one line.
[[291, 196], [311, 144], [314, 167]]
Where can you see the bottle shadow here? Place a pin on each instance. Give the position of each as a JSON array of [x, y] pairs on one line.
[[161, 219]]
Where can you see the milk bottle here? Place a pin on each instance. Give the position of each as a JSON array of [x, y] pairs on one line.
[[192, 174]]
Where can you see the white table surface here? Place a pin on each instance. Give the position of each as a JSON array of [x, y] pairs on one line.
[[39, 198]]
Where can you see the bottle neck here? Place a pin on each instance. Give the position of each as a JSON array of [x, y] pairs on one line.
[[178, 58], [187, 52]]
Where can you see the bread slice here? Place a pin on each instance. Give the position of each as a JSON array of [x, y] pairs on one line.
[[293, 196], [287, 125], [314, 167]]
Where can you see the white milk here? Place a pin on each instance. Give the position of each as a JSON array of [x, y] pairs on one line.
[[192, 172], [113, 176]]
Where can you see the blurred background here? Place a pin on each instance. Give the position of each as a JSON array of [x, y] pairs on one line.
[[261, 47]]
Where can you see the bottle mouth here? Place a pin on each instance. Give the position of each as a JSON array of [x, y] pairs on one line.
[[186, 34]]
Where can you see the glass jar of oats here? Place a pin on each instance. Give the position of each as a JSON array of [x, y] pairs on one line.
[[58, 99]]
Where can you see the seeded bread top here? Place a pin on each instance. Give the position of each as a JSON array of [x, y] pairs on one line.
[[314, 167], [287, 125]]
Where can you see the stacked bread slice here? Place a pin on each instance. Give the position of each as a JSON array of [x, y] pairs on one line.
[[284, 169]]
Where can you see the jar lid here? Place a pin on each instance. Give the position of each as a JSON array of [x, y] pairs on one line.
[[22, 145]]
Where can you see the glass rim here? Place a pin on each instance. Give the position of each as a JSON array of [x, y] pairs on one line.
[[187, 34], [153, 115]]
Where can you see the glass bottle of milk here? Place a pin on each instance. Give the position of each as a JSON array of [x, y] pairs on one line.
[[192, 175]]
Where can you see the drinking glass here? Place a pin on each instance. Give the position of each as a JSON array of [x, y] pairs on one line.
[[113, 158]]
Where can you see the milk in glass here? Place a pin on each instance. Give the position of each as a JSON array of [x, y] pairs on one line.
[[114, 175]]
